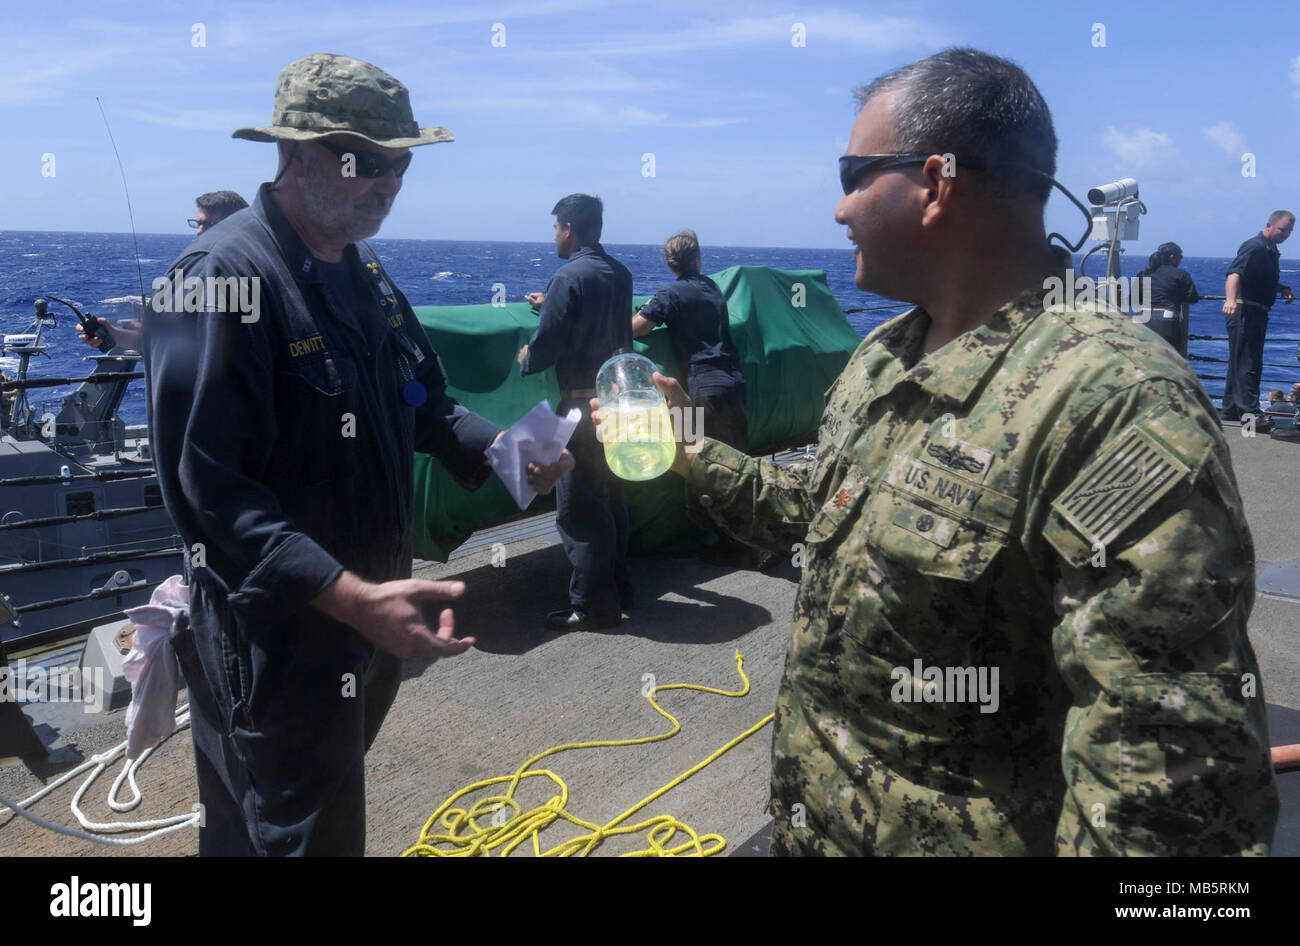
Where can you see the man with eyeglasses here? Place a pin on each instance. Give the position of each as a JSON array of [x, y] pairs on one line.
[[1021, 624], [284, 414], [211, 209]]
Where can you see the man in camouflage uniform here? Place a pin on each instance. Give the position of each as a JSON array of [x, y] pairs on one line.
[[1021, 627]]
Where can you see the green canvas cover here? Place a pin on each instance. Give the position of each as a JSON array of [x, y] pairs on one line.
[[793, 341]]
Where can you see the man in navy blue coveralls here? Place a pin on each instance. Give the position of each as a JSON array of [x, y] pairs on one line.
[[287, 395], [1252, 287], [584, 319]]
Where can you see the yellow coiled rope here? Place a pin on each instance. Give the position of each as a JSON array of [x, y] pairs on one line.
[[479, 830]]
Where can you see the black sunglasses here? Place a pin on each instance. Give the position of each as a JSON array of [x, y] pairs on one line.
[[194, 224], [852, 166], [370, 164]]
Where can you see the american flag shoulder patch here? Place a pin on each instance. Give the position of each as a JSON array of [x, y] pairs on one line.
[[1126, 480]]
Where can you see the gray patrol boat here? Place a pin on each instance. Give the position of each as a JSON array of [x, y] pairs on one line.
[[83, 530]]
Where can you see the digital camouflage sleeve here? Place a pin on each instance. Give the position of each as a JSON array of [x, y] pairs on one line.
[[1021, 625]]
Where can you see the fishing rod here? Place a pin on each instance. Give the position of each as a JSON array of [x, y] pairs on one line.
[[130, 213], [91, 325]]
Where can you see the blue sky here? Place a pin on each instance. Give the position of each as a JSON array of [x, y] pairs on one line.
[[745, 127]]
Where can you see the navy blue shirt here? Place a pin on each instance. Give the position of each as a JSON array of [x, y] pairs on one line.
[[695, 312], [586, 318], [1257, 265], [1171, 287], [285, 444]]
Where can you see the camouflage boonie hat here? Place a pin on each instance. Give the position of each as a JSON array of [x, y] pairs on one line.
[[324, 94]]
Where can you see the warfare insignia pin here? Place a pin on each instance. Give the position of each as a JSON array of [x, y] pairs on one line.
[[953, 458]]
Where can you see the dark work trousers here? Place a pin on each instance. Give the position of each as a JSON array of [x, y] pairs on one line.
[[1246, 333], [725, 418], [280, 730], [724, 414], [1168, 329], [591, 517]]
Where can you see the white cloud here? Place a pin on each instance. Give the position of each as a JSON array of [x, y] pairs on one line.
[[260, 25], [569, 111], [705, 122], [1227, 137], [822, 29], [201, 119], [1138, 148], [609, 97], [876, 34], [155, 50]]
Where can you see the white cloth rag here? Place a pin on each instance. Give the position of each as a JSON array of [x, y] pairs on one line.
[[540, 436], [151, 666]]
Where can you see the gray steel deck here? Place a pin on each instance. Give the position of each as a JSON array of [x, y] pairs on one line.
[[524, 689]]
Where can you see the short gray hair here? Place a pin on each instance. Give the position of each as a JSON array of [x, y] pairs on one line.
[[976, 106]]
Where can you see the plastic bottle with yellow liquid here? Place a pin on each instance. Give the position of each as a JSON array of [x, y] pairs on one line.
[[635, 426]]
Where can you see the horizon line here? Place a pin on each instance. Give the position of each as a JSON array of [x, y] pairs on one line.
[[740, 246], [729, 246]]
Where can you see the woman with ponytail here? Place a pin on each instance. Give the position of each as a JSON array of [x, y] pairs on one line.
[[1170, 285], [698, 323], [1170, 288]]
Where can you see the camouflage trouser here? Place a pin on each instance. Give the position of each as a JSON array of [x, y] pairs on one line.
[[804, 822]]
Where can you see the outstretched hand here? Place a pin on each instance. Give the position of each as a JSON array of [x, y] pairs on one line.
[[391, 614], [542, 479], [672, 390], [90, 340], [677, 398]]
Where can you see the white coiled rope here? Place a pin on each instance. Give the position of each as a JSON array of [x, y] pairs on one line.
[[156, 827]]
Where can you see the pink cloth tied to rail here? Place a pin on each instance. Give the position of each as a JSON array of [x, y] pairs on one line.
[[151, 666]]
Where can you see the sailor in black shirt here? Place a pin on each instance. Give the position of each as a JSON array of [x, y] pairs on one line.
[[1171, 286], [1251, 288], [583, 321], [284, 433], [1171, 289], [698, 324]]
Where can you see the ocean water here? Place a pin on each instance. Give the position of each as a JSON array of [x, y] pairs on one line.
[[98, 272]]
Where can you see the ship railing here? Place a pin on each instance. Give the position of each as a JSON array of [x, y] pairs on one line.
[[1179, 340], [49, 552], [94, 558], [106, 377], [99, 515], [124, 545], [95, 595], [1276, 380]]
